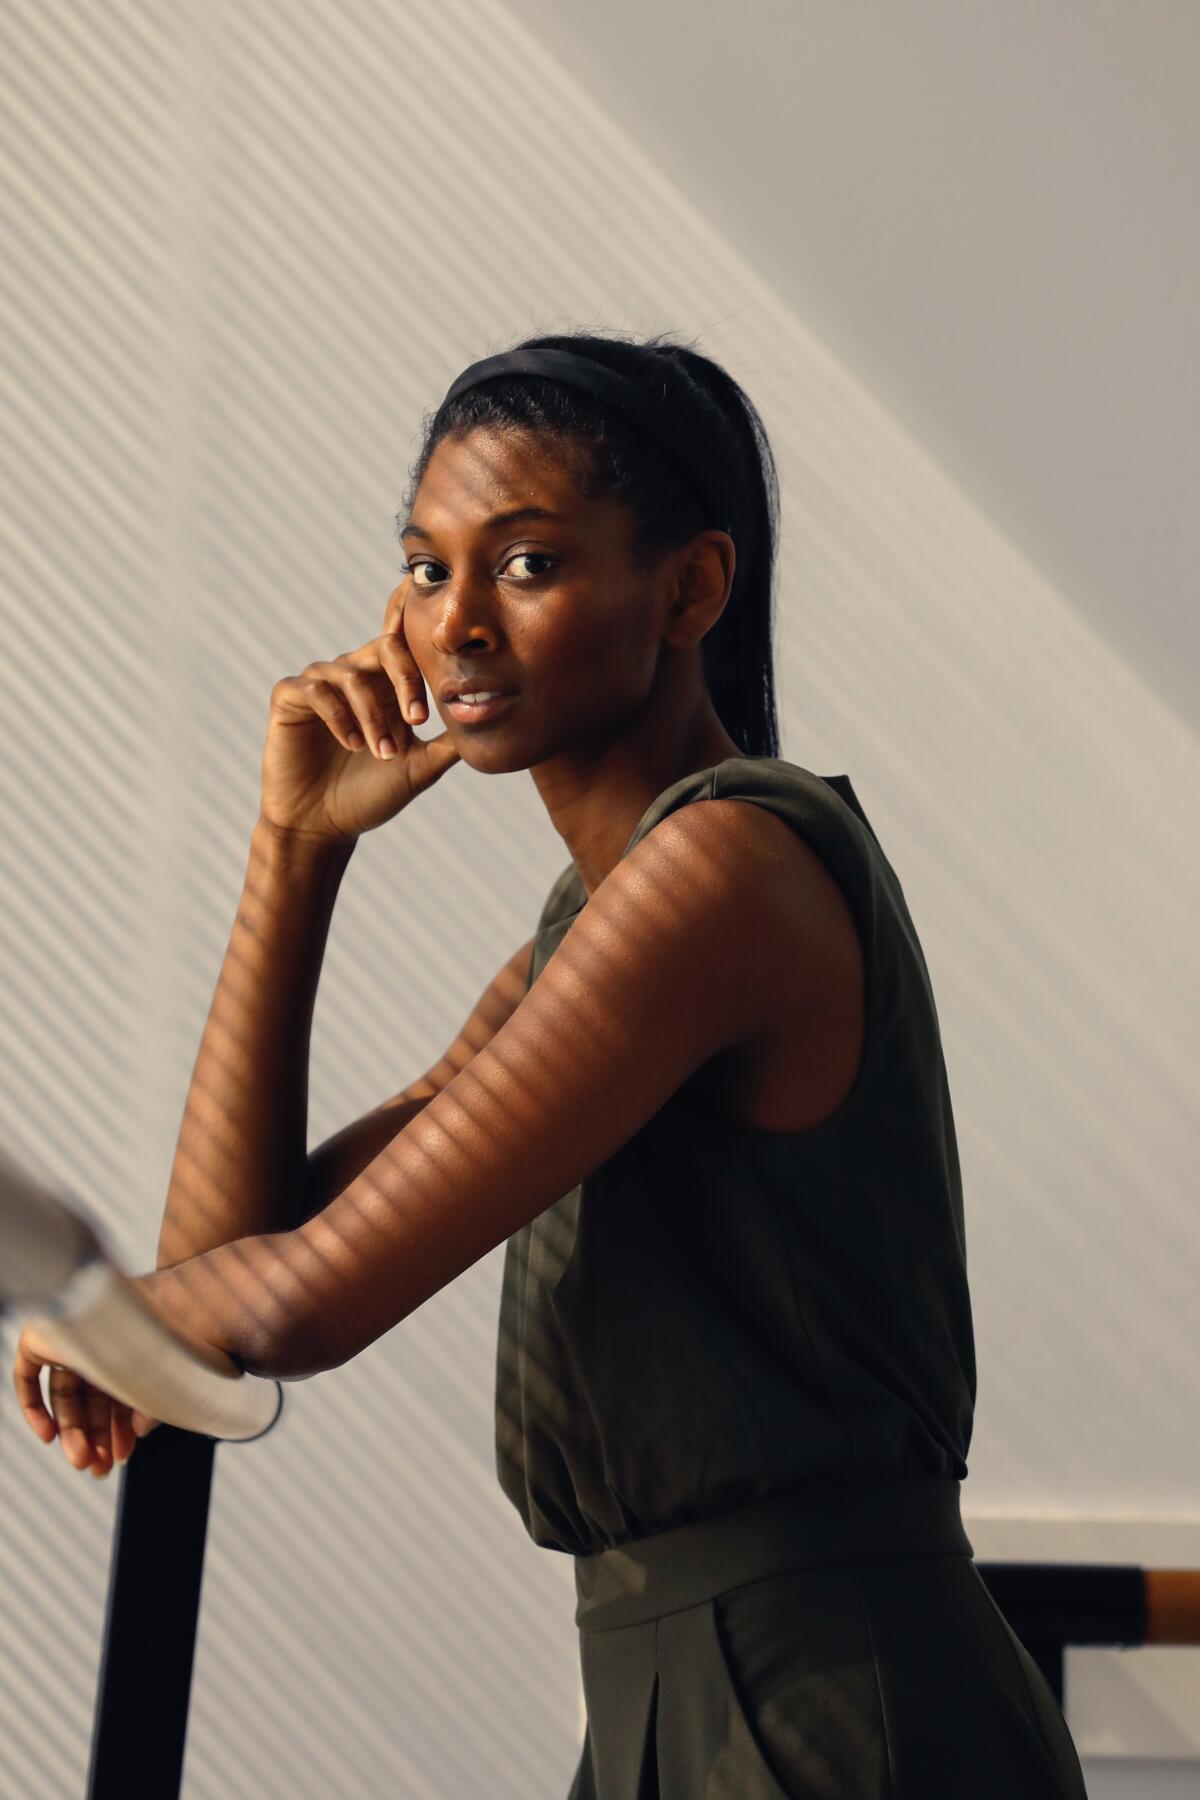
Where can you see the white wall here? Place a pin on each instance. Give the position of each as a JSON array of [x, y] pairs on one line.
[[947, 251]]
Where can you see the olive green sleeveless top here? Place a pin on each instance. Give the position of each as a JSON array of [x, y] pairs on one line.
[[719, 1313]]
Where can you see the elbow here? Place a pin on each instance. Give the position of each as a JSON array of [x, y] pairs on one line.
[[294, 1355], [285, 1319]]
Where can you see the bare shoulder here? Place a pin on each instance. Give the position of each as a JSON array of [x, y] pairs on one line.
[[720, 906], [765, 880], [795, 1068]]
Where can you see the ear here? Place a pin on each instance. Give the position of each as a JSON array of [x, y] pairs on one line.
[[702, 579]]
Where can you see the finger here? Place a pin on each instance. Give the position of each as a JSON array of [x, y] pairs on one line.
[[407, 681], [98, 1412], [325, 698], [393, 612], [67, 1401], [399, 661], [27, 1371], [356, 699], [124, 1438], [429, 758], [371, 694]]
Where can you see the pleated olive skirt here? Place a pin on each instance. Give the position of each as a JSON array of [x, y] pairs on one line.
[[835, 1645]]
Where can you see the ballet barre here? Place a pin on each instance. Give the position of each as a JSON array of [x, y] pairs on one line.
[[1054, 1606]]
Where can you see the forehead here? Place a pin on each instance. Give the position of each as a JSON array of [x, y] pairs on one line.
[[472, 476]]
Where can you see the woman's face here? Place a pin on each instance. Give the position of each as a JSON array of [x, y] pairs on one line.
[[550, 608]]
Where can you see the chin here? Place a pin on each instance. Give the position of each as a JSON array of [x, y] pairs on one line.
[[495, 758]]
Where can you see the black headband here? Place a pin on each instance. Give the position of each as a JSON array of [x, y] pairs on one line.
[[654, 416]]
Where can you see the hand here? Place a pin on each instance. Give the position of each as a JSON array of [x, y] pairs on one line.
[[316, 780], [92, 1427]]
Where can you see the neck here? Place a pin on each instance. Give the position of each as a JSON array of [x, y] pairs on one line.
[[595, 797]]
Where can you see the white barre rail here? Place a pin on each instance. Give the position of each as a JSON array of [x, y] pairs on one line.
[[53, 1256]]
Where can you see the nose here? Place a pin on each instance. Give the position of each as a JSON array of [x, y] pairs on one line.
[[464, 618]]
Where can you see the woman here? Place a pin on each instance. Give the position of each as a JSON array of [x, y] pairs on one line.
[[705, 1105]]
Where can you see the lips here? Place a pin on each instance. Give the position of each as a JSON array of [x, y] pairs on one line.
[[453, 690], [474, 713]]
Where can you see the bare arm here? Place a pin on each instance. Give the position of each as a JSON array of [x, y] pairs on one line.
[[218, 1296], [240, 1170], [613, 1026], [241, 1164]]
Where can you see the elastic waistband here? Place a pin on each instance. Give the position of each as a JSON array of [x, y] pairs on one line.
[[695, 1562]]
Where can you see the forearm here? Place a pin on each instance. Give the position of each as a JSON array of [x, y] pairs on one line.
[[241, 1161]]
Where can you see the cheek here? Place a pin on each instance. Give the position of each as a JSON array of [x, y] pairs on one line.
[[605, 651]]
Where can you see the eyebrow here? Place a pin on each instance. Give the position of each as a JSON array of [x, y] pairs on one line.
[[412, 529]]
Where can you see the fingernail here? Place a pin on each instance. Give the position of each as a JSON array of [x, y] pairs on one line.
[[386, 748], [416, 711]]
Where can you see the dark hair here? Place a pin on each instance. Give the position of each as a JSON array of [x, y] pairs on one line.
[[612, 459]]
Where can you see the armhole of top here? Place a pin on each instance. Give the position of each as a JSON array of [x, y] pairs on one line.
[[548, 917], [789, 808]]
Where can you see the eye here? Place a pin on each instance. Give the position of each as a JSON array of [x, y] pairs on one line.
[[427, 562], [532, 556]]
